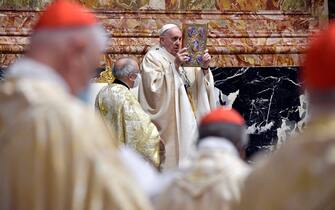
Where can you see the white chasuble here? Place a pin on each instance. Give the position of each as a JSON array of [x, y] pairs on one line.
[[163, 95]]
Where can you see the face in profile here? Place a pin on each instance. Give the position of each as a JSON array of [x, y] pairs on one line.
[[87, 60], [135, 76], [171, 40], [93, 56]]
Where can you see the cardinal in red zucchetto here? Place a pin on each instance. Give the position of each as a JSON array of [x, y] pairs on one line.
[[55, 154], [300, 175]]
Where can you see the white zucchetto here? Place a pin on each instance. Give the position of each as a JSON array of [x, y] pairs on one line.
[[166, 27]]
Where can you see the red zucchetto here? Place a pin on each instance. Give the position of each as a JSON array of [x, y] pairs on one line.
[[319, 66], [63, 14], [223, 115]]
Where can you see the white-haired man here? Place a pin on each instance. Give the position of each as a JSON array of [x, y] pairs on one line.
[[55, 153], [120, 109], [175, 96]]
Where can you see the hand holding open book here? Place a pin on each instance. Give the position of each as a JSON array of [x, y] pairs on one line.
[[195, 41]]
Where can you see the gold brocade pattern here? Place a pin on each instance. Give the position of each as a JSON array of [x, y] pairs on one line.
[[189, 94], [105, 76], [129, 122]]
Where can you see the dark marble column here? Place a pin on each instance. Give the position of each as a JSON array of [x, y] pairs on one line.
[[1, 74], [270, 100], [331, 6]]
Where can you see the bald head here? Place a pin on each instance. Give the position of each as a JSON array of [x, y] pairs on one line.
[[126, 69], [125, 66]]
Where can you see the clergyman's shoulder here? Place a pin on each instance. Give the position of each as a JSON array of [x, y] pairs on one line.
[[153, 51], [158, 56]]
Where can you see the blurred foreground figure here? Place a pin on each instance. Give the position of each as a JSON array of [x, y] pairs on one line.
[[121, 110], [213, 179], [301, 174], [54, 153]]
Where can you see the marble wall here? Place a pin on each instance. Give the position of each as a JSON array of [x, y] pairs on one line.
[[218, 5], [235, 38], [270, 100], [1, 74], [241, 32], [331, 6]]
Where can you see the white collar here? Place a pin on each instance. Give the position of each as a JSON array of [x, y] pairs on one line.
[[29, 68], [169, 55], [217, 143]]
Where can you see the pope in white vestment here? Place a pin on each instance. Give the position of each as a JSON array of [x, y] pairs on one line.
[[175, 96]]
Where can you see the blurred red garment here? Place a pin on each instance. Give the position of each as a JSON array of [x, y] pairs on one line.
[[63, 13], [319, 65]]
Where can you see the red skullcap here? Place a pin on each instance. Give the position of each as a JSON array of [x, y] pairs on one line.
[[223, 115], [64, 13], [319, 66]]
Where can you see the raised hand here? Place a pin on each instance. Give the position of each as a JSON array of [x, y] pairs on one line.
[[206, 60], [181, 57]]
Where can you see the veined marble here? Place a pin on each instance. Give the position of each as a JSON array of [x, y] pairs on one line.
[[269, 99], [241, 32], [265, 38], [1, 74], [221, 5]]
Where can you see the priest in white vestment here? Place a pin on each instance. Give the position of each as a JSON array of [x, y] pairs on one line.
[[120, 109], [175, 96]]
